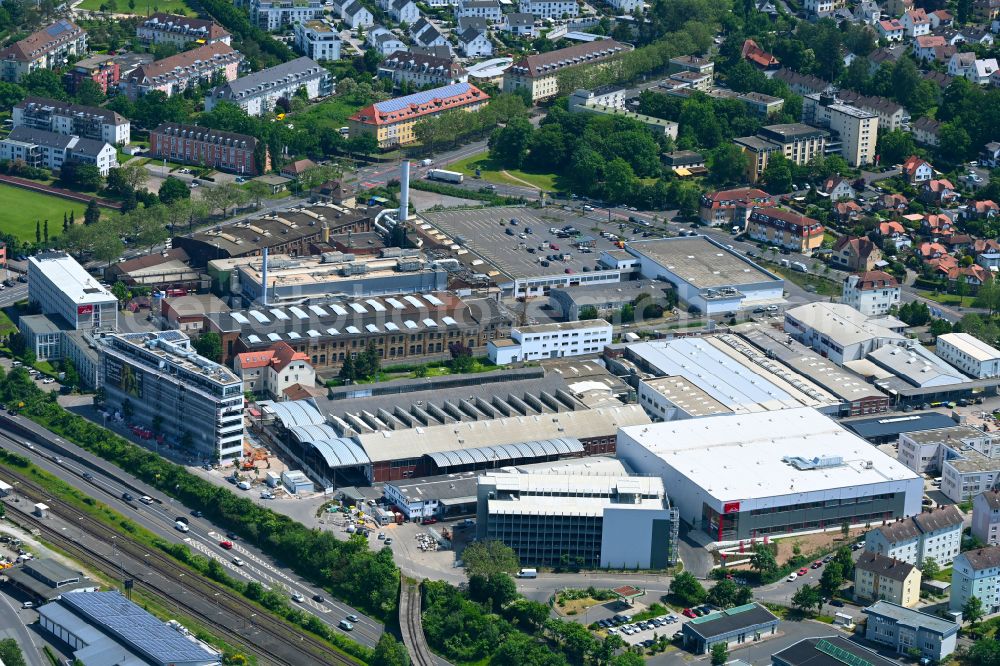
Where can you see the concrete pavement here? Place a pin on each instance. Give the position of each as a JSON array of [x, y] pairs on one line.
[[12, 625]]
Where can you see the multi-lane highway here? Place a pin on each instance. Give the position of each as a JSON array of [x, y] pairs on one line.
[[107, 483]]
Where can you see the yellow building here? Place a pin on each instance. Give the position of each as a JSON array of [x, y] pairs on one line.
[[392, 121], [540, 73], [797, 142], [879, 577]]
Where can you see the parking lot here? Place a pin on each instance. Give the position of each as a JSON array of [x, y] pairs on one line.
[[518, 249], [638, 633]]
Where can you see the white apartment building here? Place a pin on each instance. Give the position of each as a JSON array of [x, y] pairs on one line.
[[421, 70], [58, 285], [819, 8], [356, 15], [49, 150], [487, 9], [180, 30], [258, 93], [611, 96], [404, 11], [872, 293], [555, 340], [969, 354], [89, 122], [49, 48], [927, 451], [273, 15], [475, 44], [977, 573], [856, 128], [318, 40], [986, 517], [626, 6], [273, 371], [936, 534], [550, 9]]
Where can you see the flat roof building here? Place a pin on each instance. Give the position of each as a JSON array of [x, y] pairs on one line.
[[440, 497], [808, 473], [828, 651], [706, 274], [912, 365], [58, 285], [606, 299], [906, 629], [742, 625], [553, 340], [888, 428], [593, 520], [969, 354], [840, 332]]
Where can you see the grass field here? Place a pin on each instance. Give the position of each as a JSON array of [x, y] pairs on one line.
[[948, 299], [22, 208], [142, 7], [492, 172]]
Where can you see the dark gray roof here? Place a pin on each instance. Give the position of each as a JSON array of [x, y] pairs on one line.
[[984, 558], [470, 35], [546, 448], [727, 621], [33, 104], [992, 499], [262, 81], [940, 518], [352, 8], [520, 19], [884, 566], [887, 426], [89, 147], [901, 531], [40, 137], [829, 651], [475, 22], [441, 487]]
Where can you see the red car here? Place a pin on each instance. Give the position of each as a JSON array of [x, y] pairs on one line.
[[803, 571], [689, 613], [228, 545], [817, 564]]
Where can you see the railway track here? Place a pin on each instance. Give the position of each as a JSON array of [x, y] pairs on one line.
[[239, 622], [420, 653]]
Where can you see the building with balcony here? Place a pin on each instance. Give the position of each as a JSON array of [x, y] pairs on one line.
[[179, 30], [103, 70], [872, 293], [418, 70], [49, 150], [797, 142], [785, 229], [318, 40], [272, 15], [258, 93], [89, 122], [538, 74], [185, 70], [49, 48]]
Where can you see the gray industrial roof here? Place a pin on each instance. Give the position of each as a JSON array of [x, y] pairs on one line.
[[295, 412], [724, 622], [486, 454], [891, 426], [702, 262], [912, 618], [441, 487], [336, 451], [138, 629]]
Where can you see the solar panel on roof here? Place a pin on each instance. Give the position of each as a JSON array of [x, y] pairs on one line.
[[376, 306], [239, 319], [337, 309], [424, 97], [259, 316], [394, 303], [279, 315], [317, 310], [433, 300], [273, 337], [298, 312], [292, 335], [414, 301], [357, 307]]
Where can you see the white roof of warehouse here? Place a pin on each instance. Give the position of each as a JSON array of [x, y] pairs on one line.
[[842, 323], [64, 271], [974, 347], [740, 457]]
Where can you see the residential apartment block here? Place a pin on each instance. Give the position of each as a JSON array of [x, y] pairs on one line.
[[879, 577], [185, 70], [905, 630], [855, 129], [89, 122], [487, 9], [797, 142], [103, 70], [159, 381], [318, 40], [392, 121], [48, 48], [872, 293], [419, 70], [163, 28], [555, 340], [986, 517], [969, 354], [786, 229], [273, 15], [936, 534], [49, 150], [732, 207], [976, 573], [226, 151], [539, 73], [258, 93], [550, 9]]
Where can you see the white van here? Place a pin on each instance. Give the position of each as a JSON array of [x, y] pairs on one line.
[[528, 573], [181, 527]]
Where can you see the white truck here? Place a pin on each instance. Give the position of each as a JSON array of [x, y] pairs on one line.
[[446, 176], [426, 162], [528, 573]]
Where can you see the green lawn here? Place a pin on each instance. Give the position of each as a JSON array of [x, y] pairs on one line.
[[22, 208], [328, 114], [947, 299], [492, 172], [142, 7]]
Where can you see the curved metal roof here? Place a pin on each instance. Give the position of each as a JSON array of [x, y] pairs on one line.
[[485, 454], [336, 451], [296, 413]]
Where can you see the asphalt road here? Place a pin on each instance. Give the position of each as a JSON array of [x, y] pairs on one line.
[[12, 625], [108, 483]]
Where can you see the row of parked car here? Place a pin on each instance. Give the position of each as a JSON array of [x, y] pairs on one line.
[[621, 623]]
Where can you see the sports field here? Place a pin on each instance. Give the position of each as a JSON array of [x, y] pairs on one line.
[[142, 7], [20, 209]]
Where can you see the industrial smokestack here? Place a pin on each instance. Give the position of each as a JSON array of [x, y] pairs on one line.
[[404, 191], [263, 276]]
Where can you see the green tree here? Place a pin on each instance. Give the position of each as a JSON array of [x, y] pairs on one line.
[[687, 590], [930, 568], [509, 145], [846, 561], [955, 142], [389, 652], [461, 358], [172, 189], [727, 164], [763, 561], [527, 614], [985, 652], [71, 377], [895, 146], [988, 295], [258, 191], [777, 177], [972, 611], [10, 653], [620, 182], [807, 597], [725, 594], [209, 345], [720, 653], [43, 83], [488, 557], [89, 93], [522, 650], [494, 591], [93, 213], [832, 579], [587, 312]]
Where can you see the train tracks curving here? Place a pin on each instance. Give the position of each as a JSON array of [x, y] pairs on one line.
[[235, 619], [419, 652]]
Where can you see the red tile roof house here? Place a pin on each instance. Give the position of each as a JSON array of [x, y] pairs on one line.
[[274, 370], [297, 168], [930, 251], [758, 56], [939, 191], [846, 211], [973, 276], [893, 202], [858, 255], [977, 210], [944, 264], [732, 206], [937, 225], [916, 170]]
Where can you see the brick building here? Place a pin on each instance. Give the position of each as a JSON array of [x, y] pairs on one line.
[[226, 151]]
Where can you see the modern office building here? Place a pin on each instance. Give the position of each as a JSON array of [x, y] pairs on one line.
[[42, 149], [258, 93], [620, 522], [552, 340], [854, 129], [732, 627], [317, 39], [226, 151], [58, 285], [158, 381], [107, 628], [786, 229], [392, 122], [707, 275], [180, 30], [936, 534], [89, 122], [808, 473], [905, 630], [185, 70], [840, 332], [976, 573], [879, 577], [872, 293], [49, 48], [986, 517], [969, 354], [927, 451], [538, 73]]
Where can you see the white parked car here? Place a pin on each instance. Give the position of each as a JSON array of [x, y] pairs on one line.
[[238, 561], [792, 576], [243, 485]]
